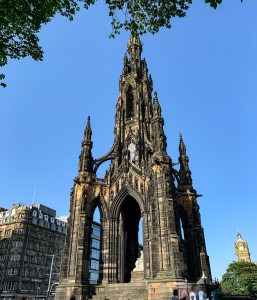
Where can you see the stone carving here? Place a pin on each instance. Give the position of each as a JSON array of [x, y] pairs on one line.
[[132, 152], [139, 266]]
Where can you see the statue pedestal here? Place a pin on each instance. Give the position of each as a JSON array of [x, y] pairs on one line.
[[137, 276]]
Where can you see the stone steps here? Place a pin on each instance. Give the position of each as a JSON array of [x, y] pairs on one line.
[[123, 291]]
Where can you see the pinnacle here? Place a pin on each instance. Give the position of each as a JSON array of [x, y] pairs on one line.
[[155, 100], [88, 130], [182, 147], [88, 122], [134, 41]]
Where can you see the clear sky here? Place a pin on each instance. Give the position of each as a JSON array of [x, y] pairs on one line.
[[205, 72]]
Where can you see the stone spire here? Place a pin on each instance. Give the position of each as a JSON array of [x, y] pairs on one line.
[[156, 106], [88, 130], [85, 158], [158, 122], [135, 50], [184, 171]]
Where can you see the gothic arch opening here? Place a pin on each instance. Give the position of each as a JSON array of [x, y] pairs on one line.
[[129, 245], [95, 267], [129, 103]]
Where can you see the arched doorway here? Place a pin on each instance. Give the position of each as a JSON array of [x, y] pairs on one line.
[[129, 246]]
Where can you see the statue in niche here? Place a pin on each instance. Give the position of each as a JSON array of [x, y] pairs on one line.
[[84, 199], [139, 266], [132, 152]]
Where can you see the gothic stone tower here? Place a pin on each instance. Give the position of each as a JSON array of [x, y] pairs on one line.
[[141, 182]]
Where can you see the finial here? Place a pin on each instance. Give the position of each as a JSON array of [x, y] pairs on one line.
[[239, 236], [182, 147], [156, 106], [125, 58], [155, 100], [88, 130]]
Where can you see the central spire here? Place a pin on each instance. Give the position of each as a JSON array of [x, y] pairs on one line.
[[135, 50]]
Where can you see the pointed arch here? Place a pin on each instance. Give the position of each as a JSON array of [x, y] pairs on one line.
[[121, 196], [102, 206], [129, 102]]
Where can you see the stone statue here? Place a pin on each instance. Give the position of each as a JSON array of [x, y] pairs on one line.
[[132, 151], [139, 266]]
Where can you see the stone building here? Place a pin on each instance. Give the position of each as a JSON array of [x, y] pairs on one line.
[[31, 241], [242, 249], [141, 183]]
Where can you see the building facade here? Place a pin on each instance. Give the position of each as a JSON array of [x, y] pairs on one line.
[[141, 183], [31, 243], [242, 249]]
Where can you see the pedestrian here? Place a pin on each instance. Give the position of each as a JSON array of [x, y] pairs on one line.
[[175, 295]]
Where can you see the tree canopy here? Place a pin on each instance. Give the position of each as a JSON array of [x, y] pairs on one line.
[[240, 279], [21, 21]]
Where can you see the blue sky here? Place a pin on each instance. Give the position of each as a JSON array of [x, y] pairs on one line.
[[205, 72]]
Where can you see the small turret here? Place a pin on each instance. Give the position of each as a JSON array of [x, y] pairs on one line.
[[184, 171], [126, 65], [85, 158], [156, 106], [88, 130], [158, 122]]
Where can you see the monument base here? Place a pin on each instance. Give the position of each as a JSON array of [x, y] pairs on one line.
[[137, 276]]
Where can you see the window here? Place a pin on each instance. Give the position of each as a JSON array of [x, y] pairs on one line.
[[94, 265], [11, 272], [95, 254], [96, 230], [93, 276], [95, 244], [9, 285], [7, 232]]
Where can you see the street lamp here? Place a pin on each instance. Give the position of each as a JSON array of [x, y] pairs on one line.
[[186, 282]]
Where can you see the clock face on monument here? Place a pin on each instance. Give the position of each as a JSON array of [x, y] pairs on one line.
[[241, 248]]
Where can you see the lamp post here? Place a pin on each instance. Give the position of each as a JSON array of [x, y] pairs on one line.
[[186, 282], [49, 287]]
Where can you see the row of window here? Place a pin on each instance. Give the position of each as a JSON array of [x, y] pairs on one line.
[[6, 232], [4, 257], [13, 257], [9, 285], [4, 244], [48, 218], [33, 273], [47, 225], [12, 272], [40, 247], [26, 286]]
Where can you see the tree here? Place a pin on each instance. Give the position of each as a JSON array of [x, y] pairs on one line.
[[241, 279], [21, 20]]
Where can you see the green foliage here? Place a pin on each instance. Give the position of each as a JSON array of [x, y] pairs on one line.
[[21, 20], [241, 279]]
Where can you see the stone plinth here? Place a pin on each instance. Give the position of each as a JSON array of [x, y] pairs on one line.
[[137, 276]]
